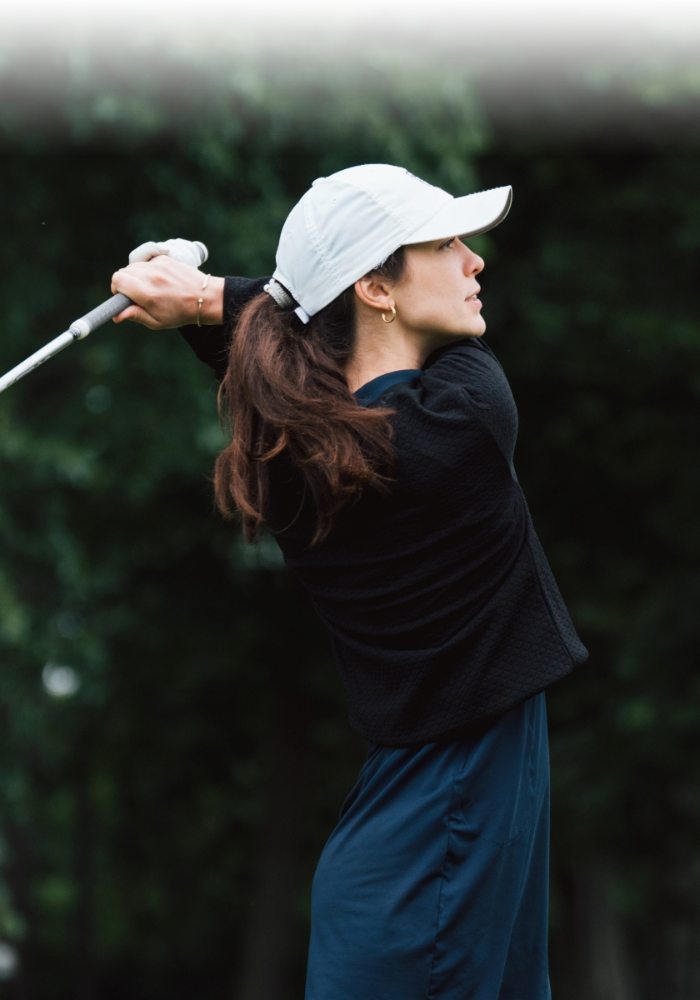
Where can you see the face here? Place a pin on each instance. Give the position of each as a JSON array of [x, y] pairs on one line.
[[438, 296]]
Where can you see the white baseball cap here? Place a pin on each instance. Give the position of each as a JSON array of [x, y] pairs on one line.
[[349, 223]]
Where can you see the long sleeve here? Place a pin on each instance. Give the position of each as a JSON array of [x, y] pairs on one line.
[[210, 343], [441, 607]]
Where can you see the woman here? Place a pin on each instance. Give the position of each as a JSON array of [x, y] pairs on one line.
[[373, 433]]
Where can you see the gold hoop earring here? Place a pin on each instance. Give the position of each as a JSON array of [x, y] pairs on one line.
[[393, 315]]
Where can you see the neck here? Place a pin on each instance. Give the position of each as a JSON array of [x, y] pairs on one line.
[[380, 348]]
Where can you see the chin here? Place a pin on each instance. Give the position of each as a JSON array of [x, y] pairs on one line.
[[475, 329], [474, 325]]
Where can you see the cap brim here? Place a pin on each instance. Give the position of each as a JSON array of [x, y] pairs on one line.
[[467, 216]]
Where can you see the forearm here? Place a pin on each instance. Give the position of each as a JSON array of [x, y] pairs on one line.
[[211, 310], [211, 344]]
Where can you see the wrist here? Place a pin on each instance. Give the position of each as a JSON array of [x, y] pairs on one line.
[[212, 309]]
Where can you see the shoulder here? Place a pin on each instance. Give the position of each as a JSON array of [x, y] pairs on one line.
[[463, 363], [461, 404], [455, 377]]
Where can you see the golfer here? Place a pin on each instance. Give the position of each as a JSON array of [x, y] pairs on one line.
[[372, 432]]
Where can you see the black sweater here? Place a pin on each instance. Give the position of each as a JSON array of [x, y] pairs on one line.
[[441, 607]]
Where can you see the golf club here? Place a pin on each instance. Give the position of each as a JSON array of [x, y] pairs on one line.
[[188, 252]]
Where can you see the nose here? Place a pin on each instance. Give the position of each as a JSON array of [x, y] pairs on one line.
[[473, 263]]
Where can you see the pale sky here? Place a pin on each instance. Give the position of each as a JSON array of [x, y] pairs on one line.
[[304, 24]]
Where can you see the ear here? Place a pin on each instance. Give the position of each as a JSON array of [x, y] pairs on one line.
[[374, 292]]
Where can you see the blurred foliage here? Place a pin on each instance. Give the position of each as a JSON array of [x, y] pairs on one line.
[[140, 814], [595, 316]]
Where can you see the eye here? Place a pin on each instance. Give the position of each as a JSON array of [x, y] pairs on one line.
[[447, 243]]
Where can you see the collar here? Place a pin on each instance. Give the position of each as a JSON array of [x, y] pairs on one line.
[[370, 391]]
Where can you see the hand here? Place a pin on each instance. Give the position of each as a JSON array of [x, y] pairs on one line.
[[165, 294]]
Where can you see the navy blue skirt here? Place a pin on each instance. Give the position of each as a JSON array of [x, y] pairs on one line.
[[434, 884]]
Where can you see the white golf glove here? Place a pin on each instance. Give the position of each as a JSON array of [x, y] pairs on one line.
[[187, 252]]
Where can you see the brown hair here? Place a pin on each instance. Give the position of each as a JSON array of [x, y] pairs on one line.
[[285, 389]]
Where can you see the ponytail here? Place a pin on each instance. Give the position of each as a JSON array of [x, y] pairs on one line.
[[285, 390]]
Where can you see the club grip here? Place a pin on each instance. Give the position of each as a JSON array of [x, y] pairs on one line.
[[99, 315]]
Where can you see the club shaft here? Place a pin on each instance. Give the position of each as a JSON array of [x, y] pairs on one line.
[[36, 359], [79, 329]]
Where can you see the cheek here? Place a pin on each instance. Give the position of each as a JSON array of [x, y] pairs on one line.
[[432, 297], [436, 299], [427, 311]]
